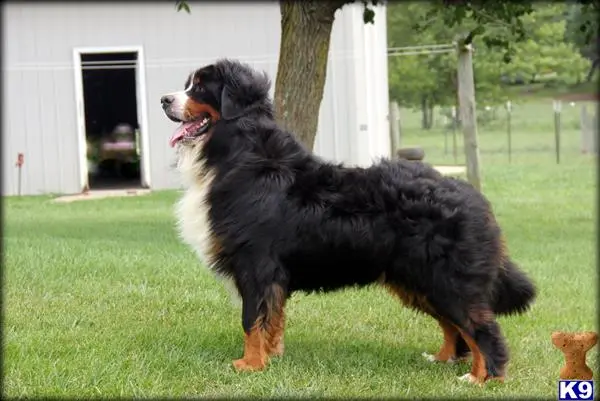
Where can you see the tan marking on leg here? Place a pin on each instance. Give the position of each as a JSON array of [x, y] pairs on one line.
[[255, 355], [447, 352], [275, 331], [478, 368], [266, 336], [275, 321]]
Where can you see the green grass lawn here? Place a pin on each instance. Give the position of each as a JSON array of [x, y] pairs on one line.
[[102, 300]]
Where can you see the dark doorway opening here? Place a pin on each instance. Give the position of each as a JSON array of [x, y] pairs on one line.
[[111, 120]]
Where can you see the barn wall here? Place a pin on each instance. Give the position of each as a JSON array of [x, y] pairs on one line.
[[39, 96]]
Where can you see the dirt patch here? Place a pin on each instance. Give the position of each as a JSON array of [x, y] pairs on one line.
[[451, 170], [100, 194], [578, 97]]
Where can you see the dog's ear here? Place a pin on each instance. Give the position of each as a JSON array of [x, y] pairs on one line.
[[229, 107]]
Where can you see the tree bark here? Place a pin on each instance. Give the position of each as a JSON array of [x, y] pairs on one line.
[[424, 112], [305, 36], [430, 108], [595, 65]]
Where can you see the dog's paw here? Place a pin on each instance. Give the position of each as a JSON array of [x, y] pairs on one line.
[[471, 379], [241, 365], [433, 358], [277, 350]]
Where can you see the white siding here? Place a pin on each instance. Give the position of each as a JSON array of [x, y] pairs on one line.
[[39, 97]]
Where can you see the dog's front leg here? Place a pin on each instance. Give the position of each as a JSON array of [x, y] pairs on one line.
[[262, 320], [275, 328], [255, 347]]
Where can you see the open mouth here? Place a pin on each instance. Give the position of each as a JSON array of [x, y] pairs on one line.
[[189, 130]]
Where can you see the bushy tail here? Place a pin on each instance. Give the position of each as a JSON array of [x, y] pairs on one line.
[[514, 292]]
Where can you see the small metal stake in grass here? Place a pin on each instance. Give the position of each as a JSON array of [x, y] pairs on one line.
[[19, 164], [508, 130], [557, 107], [445, 135]]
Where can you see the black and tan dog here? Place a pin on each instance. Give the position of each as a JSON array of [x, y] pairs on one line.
[[263, 211]]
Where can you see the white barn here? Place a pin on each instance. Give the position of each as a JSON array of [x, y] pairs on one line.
[[60, 79]]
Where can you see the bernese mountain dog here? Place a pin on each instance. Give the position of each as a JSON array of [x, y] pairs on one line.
[[262, 210]]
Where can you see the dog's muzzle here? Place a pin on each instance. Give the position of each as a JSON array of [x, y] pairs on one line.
[[166, 101]]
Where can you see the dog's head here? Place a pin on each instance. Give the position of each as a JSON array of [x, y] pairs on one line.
[[226, 90]]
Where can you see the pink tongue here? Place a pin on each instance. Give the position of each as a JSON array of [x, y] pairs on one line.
[[183, 130]]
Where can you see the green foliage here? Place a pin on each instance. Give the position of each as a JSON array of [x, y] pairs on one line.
[[368, 13], [411, 77], [545, 51], [498, 24], [433, 75], [582, 28], [541, 53], [182, 5]]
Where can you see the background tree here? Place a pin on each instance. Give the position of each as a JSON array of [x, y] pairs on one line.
[[305, 37], [545, 54], [582, 30], [425, 80], [429, 80], [540, 52]]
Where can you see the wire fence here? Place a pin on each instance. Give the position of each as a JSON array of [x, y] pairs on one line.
[[526, 128], [540, 129]]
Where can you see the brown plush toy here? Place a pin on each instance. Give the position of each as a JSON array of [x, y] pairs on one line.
[[575, 347]]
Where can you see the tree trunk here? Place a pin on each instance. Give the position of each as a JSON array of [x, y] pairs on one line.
[[595, 65], [430, 108], [424, 112], [305, 35]]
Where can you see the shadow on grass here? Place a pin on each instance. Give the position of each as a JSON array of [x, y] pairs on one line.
[[317, 353], [341, 356]]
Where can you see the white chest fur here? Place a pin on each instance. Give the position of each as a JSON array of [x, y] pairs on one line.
[[193, 222], [192, 212]]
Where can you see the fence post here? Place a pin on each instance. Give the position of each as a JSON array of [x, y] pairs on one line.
[[468, 113], [583, 123], [454, 124], [589, 131], [19, 165], [395, 127], [557, 107], [446, 126], [594, 133], [508, 129]]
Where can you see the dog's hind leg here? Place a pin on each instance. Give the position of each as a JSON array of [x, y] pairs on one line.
[[454, 348], [481, 333], [462, 351], [275, 328]]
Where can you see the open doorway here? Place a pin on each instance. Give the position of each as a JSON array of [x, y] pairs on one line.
[[110, 119]]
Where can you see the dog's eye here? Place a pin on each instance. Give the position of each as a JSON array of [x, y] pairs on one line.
[[199, 89]]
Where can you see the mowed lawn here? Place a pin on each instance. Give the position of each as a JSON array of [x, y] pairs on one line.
[[102, 300]]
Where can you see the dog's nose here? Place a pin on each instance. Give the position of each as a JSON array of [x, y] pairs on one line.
[[166, 100]]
